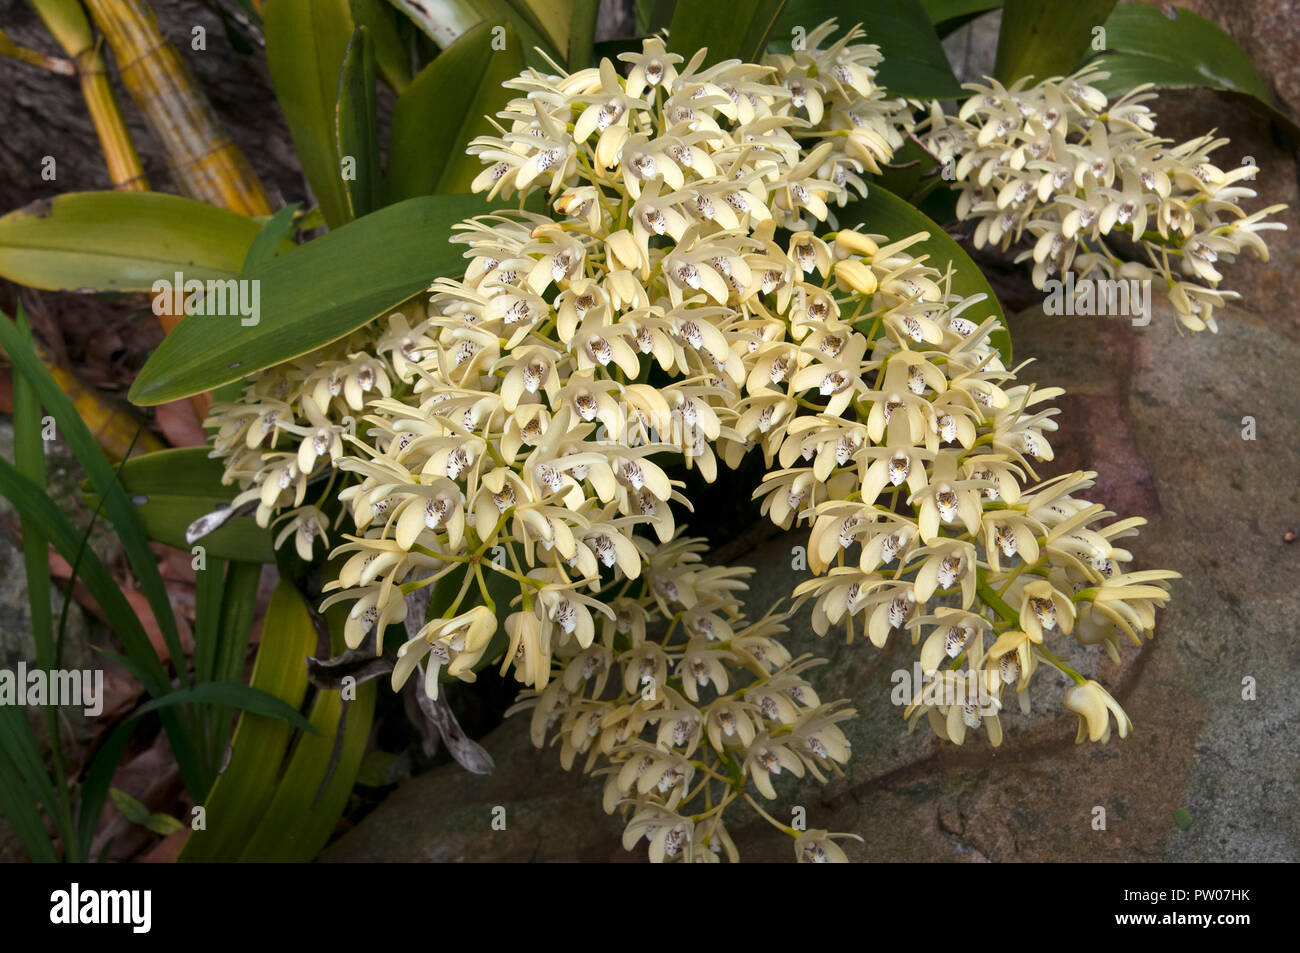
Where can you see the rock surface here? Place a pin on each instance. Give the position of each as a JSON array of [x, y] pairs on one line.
[[1158, 415]]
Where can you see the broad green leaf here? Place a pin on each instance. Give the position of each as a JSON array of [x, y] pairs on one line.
[[444, 108], [441, 20], [241, 794], [884, 213], [1145, 45], [170, 489], [582, 34], [740, 29], [915, 64], [940, 11], [948, 15], [120, 241], [1043, 38], [356, 125], [445, 21], [103, 478], [321, 773], [552, 19], [209, 584], [312, 295], [238, 602], [391, 54], [912, 173], [271, 240], [654, 15], [306, 41]]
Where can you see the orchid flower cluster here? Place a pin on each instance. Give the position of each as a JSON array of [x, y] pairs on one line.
[[708, 705], [675, 306], [834, 89], [1080, 172]]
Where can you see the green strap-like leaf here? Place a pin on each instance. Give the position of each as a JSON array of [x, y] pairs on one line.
[[170, 489], [20, 811], [740, 29], [103, 478], [948, 15], [231, 695], [444, 108], [238, 800], [271, 240], [306, 41], [582, 34], [29, 460], [141, 658], [654, 15], [551, 19], [238, 603], [445, 21], [915, 63], [312, 295], [209, 583], [1042, 38], [356, 126], [441, 20], [1145, 45], [243, 697], [314, 790], [391, 54], [31, 501], [120, 241], [18, 745], [940, 11]]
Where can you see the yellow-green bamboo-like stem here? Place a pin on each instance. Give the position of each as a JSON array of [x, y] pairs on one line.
[[67, 22], [113, 422], [205, 162], [124, 168]]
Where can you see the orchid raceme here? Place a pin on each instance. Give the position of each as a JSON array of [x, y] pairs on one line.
[[686, 299], [1085, 177]]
